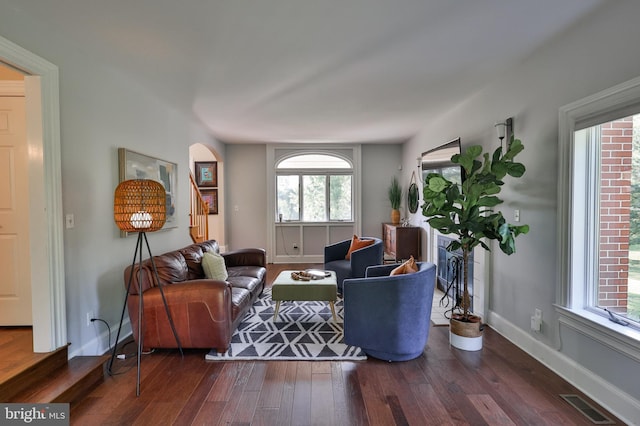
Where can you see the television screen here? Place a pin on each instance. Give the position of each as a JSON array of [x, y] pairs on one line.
[[438, 160]]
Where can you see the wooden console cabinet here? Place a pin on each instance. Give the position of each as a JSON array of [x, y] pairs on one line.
[[401, 242]]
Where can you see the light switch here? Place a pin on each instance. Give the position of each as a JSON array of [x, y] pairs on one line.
[[516, 215]]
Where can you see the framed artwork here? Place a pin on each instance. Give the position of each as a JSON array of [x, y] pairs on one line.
[[211, 197], [207, 173], [133, 165]]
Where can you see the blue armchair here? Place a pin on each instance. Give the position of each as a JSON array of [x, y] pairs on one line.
[[334, 259], [389, 317]]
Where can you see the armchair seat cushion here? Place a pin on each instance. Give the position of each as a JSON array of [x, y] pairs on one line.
[[341, 267]]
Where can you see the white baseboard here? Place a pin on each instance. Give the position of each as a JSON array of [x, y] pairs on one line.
[[298, 259], [604, 393], [100, 344]]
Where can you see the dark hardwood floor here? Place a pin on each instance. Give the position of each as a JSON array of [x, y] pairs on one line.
[[498, 385]]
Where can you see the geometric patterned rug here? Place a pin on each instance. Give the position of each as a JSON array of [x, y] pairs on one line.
[[303, 331]]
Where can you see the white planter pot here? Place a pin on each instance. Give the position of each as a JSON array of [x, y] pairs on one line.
[[465, 343], [466, 335]]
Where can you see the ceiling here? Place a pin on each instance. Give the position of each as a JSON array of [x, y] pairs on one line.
[[363, 71]]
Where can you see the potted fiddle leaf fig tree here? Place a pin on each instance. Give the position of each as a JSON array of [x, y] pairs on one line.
[[467, 212]]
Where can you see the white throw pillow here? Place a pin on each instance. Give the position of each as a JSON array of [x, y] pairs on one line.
[[214, 267]]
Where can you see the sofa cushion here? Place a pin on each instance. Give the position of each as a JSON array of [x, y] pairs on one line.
[[247, 271], [240, 303], [193, 256], [356, 244], [214, 267], [171, 267]]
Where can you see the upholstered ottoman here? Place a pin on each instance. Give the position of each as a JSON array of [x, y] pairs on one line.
[[285, 287]]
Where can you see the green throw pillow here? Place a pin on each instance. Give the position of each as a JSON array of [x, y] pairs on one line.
[[214, 267]]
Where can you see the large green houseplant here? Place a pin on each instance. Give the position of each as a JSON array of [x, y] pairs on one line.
[[467, 211]]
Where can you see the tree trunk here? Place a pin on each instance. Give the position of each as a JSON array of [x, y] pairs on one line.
[[466, 303]]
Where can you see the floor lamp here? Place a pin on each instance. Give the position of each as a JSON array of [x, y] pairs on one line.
[[139, 205]]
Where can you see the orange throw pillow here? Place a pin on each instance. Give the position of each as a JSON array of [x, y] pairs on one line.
[[357, 243], [408, 267]]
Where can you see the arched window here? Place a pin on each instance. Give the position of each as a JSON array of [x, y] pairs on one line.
[[314, 188]]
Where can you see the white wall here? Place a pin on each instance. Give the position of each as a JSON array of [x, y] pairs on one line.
[[100, 111], [598, 53]]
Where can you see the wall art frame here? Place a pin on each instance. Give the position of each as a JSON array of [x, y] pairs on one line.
[[206, 174], [211, 197], [134, 165]]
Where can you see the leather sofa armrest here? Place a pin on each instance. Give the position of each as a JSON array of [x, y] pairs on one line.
[[215, 294], [201, 310], [246, 257]]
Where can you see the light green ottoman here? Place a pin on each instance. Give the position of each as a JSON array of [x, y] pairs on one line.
[[284, 287]]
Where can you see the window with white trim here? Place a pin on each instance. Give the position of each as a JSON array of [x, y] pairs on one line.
[[606, 201], [314, 188], [598, 217]]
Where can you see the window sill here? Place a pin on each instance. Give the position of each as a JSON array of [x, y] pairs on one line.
[[625, 340], [332, 223]]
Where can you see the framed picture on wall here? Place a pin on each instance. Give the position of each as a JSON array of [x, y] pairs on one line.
[[207, 173], [133, 165], [211, 197]]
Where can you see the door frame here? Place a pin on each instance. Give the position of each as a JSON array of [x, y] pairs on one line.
[[45, 195]]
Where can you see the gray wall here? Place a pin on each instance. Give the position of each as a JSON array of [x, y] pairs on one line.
[[102, 110], [379, 164], [600, 52]]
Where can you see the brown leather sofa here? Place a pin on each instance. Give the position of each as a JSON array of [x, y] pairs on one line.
[[205, 312]]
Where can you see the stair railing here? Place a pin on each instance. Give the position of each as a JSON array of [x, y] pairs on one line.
[[198, 214]]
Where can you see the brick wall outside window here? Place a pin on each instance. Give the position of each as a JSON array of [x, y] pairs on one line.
[[615, 207]]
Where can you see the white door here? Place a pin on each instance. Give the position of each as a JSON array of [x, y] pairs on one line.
[[15, 277]]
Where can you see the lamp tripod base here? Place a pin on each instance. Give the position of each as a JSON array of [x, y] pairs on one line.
[[137, 256]]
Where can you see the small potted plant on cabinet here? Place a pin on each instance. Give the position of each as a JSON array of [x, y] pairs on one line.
[[467, 213], [395, 196]]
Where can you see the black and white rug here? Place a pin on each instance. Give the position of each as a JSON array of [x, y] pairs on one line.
[[303, 331]]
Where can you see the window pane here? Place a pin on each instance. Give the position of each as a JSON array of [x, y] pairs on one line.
[[314, 161], [619, 222], [288, 197], [340, 198], [314, 198]]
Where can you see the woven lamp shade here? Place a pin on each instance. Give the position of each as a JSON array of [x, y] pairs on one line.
[[139, 205]]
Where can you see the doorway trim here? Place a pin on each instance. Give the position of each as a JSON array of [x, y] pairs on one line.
[[45, 195]]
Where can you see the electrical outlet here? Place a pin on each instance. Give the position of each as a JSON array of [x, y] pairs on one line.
[[535, 324], [90, 316], [536, 320]]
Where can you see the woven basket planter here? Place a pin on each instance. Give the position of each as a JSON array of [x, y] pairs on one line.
[[466, 335]]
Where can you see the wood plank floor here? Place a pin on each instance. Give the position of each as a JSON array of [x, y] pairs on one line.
[[16, 351], [498, 385]]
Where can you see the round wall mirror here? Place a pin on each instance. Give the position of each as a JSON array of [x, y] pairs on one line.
[[412, 198]]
